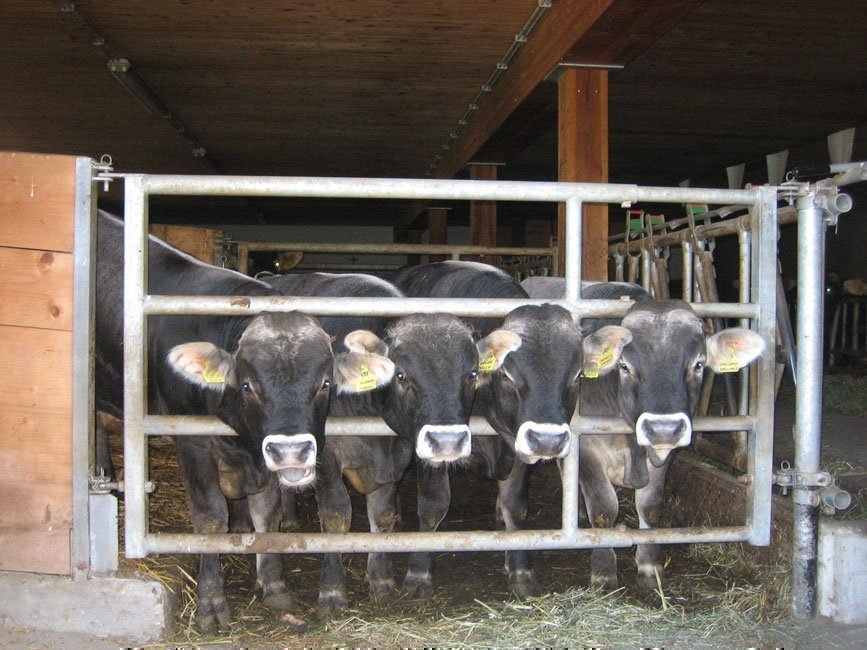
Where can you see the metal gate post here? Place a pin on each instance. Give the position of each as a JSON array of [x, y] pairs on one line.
[[808, 400]]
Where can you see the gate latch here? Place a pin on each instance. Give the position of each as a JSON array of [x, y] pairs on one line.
[[830, 497]]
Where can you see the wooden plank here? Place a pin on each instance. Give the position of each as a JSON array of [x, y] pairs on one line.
[[437, 230], [35, 551], [37, 201], [583, 156], [35, 288], [35, 448], [198, 242], [483, 214]]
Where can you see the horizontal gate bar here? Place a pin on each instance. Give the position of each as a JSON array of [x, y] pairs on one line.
[[159, 305], [436, 189], [532, 540], [208, 425], [396, 249]]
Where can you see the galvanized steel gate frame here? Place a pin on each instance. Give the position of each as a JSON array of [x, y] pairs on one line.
[[139, 305]]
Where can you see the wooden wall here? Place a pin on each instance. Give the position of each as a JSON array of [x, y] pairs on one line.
[[37, 195], [198, 242]]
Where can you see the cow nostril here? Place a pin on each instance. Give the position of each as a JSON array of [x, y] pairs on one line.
[[271, 449]]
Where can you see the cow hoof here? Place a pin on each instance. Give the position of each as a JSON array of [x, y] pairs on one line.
[[647, 580], [278, 602], [332, 602], [522, 585], [382, 591], [289, 524], [605, 583], [417, 586], [214, 621]]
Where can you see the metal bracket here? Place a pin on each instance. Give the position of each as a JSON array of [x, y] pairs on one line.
[[812, 489], [103, 170], [102, 484]]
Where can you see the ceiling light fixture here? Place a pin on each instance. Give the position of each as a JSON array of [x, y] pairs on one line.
[[122, 70]]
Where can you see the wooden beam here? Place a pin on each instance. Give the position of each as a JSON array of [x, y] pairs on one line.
[[583, 156], [437, 230], [483, 214], [611, 32]]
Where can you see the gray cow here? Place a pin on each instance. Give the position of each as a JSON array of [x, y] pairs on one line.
[[649, 369], [427, 403], [528, 396], [268, 377]]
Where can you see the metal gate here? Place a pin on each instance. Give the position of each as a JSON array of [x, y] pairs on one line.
[[757, 308]]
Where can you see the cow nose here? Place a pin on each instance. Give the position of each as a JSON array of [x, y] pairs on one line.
[[541, 441], [663, 430], [280, 450], [443, 443], [546, 444]]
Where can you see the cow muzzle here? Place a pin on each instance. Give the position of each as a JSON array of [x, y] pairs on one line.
[[542, 441], [443, 443], [661, 433], [293, 458]]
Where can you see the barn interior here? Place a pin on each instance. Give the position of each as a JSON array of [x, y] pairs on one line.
[[367, 89]]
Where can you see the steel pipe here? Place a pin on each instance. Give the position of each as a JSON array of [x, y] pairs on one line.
[[394, 249], [808, 397], [534, 540]]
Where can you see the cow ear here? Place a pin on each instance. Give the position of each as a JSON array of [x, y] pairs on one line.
[[494, 348], [733, 348], [356, 372], [365, 342], [603, 348], [203, 364]]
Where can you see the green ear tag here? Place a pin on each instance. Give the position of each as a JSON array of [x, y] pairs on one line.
[[488, 363], [606, 357], [212, 376], [730, 363], [591, 370], [366, 381]]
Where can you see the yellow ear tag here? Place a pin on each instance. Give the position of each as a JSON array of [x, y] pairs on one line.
[[366, 381], [212, 376], [606, 357], [591, 370], [488, 363], [730, 363]]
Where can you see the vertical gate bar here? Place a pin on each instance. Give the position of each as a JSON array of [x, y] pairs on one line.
[[645, 268], [744, 296], [82, 367], [764, 293], [574, 255], [244, 258], [135, 375], [686, 264], [808, 400]]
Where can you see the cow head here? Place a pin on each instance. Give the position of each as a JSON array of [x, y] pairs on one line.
[[430, 396], [273, 390], [534, 389], [659, 353]]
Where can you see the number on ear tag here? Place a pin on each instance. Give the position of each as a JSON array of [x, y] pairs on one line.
[[366, 381], [606, 357], [730, 363], [212, 376], [488, 363]]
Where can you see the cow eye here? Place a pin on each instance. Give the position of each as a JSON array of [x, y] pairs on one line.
[[246, 387], [326, 384], [474, 374], [623, 368], [699, 365], [401, 377]]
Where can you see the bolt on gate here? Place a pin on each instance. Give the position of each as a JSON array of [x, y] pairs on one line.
[[758, 309]]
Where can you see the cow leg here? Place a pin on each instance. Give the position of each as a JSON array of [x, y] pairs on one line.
[[335, 516], [265, 512], [209, 513], [383, 518], [239, 516], [648, 502], [104, 465], [434, 497], [512, 512], [600, 500], [290, 511]]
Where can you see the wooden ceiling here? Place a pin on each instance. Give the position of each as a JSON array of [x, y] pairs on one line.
[[373, 88]]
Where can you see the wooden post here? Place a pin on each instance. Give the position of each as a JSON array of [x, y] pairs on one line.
[[583, 157], [437, 230], [413, 237], [483, 214]]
